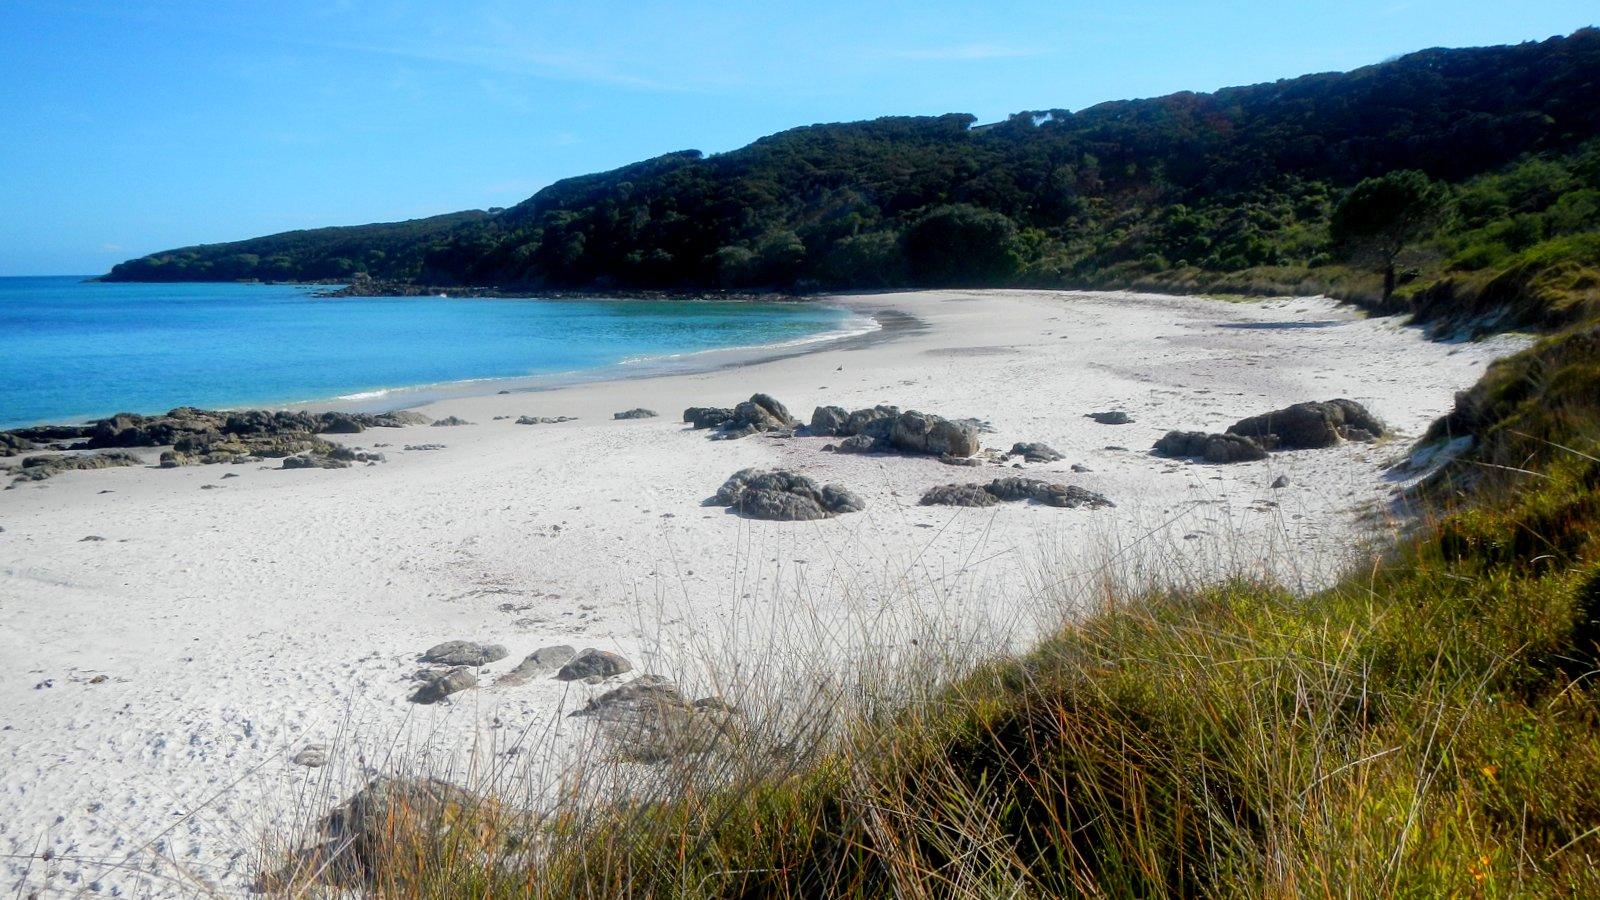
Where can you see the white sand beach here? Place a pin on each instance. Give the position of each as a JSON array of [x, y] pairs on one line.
[[157, 683]]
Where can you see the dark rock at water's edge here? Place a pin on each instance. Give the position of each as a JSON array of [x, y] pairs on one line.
[[1311, 425], [783, 496], [210, 436], [885, 429], [1014, 489], [1213, 448]]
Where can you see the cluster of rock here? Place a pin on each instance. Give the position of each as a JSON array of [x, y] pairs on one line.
[[1014, 489], [884, 429], [450, 422], [38, 468], [783, 496], [450, 668], [638, 412], [1302, 426], [544, 420], [199, 436], [761, 413]]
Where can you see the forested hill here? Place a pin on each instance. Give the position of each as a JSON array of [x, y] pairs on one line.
[[1240, 179]]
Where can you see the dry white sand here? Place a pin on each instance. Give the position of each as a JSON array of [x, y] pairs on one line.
[[235, 626]]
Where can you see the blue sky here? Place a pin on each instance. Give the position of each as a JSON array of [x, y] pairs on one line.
[[131, 127]]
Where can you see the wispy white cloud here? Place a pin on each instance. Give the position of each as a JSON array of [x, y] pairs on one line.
[[966, 52]]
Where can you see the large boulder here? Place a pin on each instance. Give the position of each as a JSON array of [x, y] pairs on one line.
[[1310, 425], [916, 432], [959, 495], [439, 684], [760, 413], [826, 421], [784, 496]]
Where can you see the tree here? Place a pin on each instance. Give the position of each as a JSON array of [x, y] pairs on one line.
[[1380, 216], [962, 244]]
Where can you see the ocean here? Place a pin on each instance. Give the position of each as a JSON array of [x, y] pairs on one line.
[[71, 349]]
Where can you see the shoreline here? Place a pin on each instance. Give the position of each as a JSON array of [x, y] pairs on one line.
[[886, 324], [179, 636]]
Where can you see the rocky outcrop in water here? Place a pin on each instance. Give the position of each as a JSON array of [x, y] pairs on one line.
[[781, 495]]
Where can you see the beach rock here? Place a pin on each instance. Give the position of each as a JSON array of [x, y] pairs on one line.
[[915, 432], [876, 421], [1080, 468], [1213, 448], [959, 495], [463, 653], [39, 468], [707, 416], [544, 420], [424, 446], [1282, 481], [350, 843], [450, 421], [784, 496], [12, 444], [314, 756], [968, 461], [646, 694], [859, 443], [1048, 493], [635, 413], [592, 663], [650, 720], [761, 413], [1310, 425], [537, 663], [1113, 417], [342, 423], [1035, 452], [399, 419], [826, 421], [440, 684], [313, 462]]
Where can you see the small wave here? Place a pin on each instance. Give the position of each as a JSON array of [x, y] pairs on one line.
[[855, 326], [363, 395]]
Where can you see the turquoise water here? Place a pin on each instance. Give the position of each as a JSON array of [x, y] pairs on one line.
[[72, 350]]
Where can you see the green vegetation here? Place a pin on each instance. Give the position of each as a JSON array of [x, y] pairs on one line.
[[1233, 191]]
